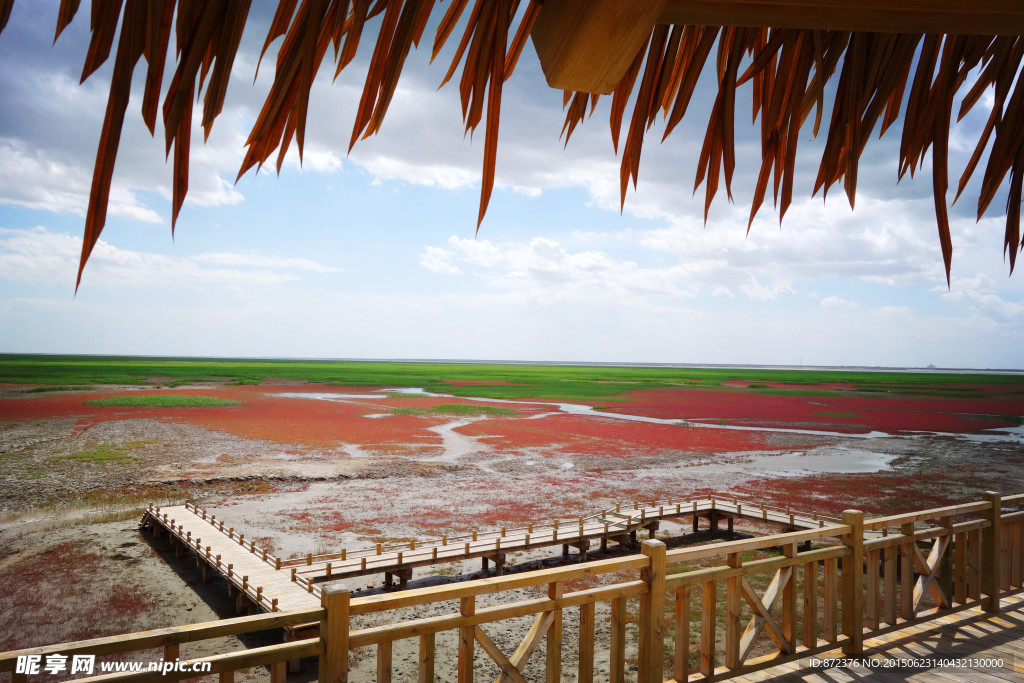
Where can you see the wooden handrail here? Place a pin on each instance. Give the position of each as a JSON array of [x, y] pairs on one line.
[[753, 567], [924, 534], [935, 513], [485, 615], [758, 543], [496, 584]]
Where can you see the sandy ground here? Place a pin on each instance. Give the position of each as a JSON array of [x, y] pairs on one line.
[[68, 526]]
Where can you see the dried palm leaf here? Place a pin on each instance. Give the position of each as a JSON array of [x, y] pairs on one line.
[[787, 69]]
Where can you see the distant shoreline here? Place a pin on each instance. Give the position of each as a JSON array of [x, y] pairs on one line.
[[470, 361]]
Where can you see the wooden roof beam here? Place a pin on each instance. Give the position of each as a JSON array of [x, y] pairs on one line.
[[587, 45], [978, 17]]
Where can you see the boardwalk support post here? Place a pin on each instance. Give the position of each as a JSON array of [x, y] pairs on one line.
[[853, 583], [294, 665], [991, 552], [652, 614], [333, 666]]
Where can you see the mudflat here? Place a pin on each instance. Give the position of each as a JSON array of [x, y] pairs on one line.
[[308, 467]]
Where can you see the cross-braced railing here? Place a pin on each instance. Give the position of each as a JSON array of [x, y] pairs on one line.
[[722, 610]]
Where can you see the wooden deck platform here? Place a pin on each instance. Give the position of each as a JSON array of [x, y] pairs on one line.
[[970, 634]]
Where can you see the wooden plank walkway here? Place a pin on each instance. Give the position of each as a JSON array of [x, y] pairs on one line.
[[276, 584], [970, 634], [619, 525], [251, 571]]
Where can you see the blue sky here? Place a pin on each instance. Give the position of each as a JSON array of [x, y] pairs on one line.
[[375, 255]]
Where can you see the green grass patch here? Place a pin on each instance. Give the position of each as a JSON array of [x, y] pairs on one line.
[[132, 445], [59, 387], [591, 384], [795, 392], [829, 413], [460, 409], [465, 409], [169, 401], [409, 411], [100, 454]]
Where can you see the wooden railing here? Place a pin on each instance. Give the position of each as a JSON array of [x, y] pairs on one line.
[[680, 505], [754, 612], [761, 602], [240, 582]]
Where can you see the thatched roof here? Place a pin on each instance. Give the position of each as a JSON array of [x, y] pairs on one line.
[[649, 53]]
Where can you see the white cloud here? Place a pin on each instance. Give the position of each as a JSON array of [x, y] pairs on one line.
[[898, 311], [444, 176], [835, 303], [263, 261], [543, 270], [37, 180], [315, 160], [41, 257], [985, 301], [438, 261], [755, 290], [996, 305]]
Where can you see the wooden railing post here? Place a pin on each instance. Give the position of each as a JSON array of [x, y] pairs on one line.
[[617, 649], [334, 635], [733, 599], [789, 601], [467, 608], [853, 583], [553, 654], [991, 552], [681, 660], [585, 667], [945, 573], [425, 672], [651, 667]]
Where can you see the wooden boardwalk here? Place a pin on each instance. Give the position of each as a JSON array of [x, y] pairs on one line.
[[252, 573], [255, 574], [970, 634], [618, 525]]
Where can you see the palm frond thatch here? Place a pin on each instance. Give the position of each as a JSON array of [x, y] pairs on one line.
[[786, 68]]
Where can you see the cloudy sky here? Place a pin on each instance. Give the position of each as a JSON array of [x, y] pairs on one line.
[[375, 255]]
